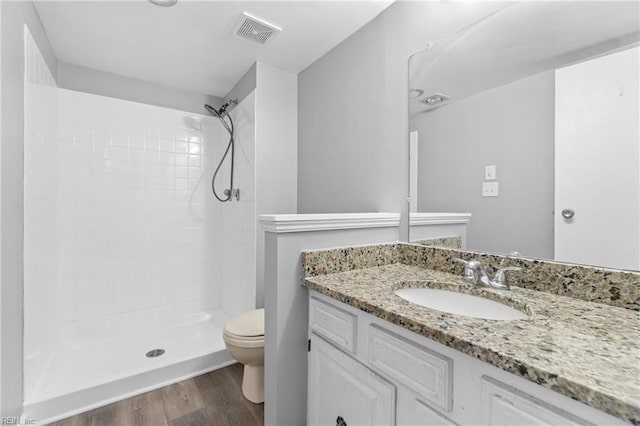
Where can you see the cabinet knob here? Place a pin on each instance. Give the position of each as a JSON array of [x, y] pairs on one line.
[[340, 421], [568, 213]]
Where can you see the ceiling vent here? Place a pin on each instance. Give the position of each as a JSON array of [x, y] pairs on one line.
[[255, 29]]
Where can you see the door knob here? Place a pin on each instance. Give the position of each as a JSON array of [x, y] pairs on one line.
[[568, 213]]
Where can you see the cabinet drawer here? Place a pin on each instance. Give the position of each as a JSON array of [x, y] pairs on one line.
[[333, 323], [508, 406], [427, 373]]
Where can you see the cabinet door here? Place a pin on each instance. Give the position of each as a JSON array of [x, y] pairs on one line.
[[503, 405], [413, 412], [344, 392]]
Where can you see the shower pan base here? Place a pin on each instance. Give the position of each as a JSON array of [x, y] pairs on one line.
[[83, 374]]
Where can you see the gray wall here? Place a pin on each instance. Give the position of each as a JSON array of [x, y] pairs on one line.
[[353, 109], [14, 16], [244, 86], [511, 126], [276, 153], [98, 82]]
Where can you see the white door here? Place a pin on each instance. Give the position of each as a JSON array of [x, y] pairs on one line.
[[343, 392], [597, 175]]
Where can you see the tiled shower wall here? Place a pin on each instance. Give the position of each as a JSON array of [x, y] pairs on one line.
[[140, 234], [121, 228]]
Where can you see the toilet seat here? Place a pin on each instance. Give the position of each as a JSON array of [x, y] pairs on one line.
[[247, 324], [243, 341], [246, 330]]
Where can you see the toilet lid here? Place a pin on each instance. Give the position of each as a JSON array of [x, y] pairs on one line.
[[248, 324]]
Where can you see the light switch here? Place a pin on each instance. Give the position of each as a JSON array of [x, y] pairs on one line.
[[490, 172], [490, 189]]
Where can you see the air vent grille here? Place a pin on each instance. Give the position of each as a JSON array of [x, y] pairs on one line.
[[255, 29]]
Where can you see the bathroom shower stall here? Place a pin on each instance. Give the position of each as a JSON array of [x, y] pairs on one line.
[[126, 251]]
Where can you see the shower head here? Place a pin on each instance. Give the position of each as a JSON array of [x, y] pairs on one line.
[[222, 111], [212, 110]]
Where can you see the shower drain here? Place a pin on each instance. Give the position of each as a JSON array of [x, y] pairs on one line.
[[154, 353]]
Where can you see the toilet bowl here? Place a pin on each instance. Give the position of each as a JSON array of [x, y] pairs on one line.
[[244, 338]]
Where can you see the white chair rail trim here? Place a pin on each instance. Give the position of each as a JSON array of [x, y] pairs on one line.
[[419, 219], [280, 223]]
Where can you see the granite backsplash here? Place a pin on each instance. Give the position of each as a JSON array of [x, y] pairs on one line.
[[593, 284]]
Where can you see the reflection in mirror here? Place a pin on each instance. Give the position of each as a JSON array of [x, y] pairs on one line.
[[525, 134]]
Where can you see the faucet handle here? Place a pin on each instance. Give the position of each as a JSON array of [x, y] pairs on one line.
[[469, 275], [501, 274], [474, 272], [464, 262]]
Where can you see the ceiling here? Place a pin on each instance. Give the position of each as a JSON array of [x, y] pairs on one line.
[[191, 46], [523, 39]]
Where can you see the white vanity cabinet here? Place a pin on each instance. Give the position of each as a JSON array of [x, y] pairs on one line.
[[366, 371]]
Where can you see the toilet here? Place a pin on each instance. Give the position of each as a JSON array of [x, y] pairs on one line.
[[244, 338]]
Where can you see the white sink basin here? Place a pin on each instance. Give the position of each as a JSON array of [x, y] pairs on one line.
[[460, 304]]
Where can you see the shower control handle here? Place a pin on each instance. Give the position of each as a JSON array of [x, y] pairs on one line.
[[232, 193]]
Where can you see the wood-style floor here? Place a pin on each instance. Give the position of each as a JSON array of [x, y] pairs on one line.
[[209, 400]]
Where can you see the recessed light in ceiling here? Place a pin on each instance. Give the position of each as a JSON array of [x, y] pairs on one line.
[[164, 3], [435, 99]]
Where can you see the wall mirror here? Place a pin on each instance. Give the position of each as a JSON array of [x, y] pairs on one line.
[[525, 134]]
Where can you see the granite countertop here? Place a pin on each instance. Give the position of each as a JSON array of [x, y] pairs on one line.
[[587, 351]]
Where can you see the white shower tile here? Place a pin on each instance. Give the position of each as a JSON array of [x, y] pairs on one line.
[[181, 134], [84, 148], [166, 145], [195, 136], [119, 320], [119, 137], [137, 141], [166, 132], [195, 148], [66, 329], [154, 157], [136, 125], [167, 158], [137, 155], [138, 169], [103, 323], [92, 310], [181, 185], [181, 159], [85, 326], [181, 172], [153, 169], [168, 311], [181, 147]]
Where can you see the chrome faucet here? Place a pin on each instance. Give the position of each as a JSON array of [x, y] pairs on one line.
[[476, 274]]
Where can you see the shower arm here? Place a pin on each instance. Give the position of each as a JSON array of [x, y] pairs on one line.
[[222, 114]]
